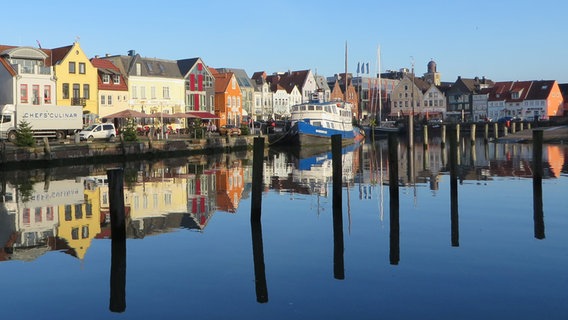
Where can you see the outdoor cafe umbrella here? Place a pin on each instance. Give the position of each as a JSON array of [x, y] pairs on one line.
[[128, 113]]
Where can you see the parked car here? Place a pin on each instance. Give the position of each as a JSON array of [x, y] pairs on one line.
[[229, 129], [98, 131]]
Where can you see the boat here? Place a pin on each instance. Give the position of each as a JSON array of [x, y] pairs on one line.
[[378, 128], [313, 123]]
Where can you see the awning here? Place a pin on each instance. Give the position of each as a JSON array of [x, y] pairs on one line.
[[203, 115]]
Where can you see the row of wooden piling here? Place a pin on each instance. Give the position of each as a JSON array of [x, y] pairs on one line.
[[118, 225]]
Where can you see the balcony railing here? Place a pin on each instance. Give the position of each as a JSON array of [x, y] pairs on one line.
[[78, 102]]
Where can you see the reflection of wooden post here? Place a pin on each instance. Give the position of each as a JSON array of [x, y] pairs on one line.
[[486, 133], [46, 148], [256, 197], [425, 137], [394, 253], [258, 255], [443, 135], [473, 133], [118, 234], [454, 188], [496, 130], [538, 215], [338, 263]]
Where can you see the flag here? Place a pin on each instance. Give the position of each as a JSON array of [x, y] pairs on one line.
[[367, 68], [358, 66]]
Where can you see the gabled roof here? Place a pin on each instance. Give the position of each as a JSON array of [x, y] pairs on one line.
[[107, 67], [185, 65], [149, 67], [242, 78], [322, 83], [540, 90], [59, 54], [222, 80]]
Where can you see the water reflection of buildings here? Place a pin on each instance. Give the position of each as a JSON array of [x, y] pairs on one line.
[[66, 215], [477, 160]]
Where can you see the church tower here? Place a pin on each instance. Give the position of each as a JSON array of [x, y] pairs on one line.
[[433, 76]]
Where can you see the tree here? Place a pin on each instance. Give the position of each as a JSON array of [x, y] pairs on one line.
[[25, 135], [129, 131]]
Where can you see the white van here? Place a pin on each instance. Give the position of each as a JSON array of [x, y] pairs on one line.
[[98, 131]]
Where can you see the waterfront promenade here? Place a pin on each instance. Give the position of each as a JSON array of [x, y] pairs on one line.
[[555, 134], [70, 152]]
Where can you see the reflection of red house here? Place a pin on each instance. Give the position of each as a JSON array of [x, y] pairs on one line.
[[230, 187]]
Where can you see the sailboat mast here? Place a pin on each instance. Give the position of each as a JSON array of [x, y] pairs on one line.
[[345, 91], [380, 91]]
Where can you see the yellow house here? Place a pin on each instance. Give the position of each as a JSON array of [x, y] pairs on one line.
[[76, 78], [154, 85]]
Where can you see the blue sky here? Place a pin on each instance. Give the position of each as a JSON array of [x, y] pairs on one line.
[[501, 40]]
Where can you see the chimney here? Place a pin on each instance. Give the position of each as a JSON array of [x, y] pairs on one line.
[[131, 53]]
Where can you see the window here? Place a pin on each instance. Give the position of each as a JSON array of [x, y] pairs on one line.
[[24, 93], [142, 92], [35, 94], [152, 92], [116, 79], [65, 91], [134, 92], [71, 67], [109, 99], [103, 99], [81, 67], [106, 78], [166, 92], [86, 93], [76, 90], [47, 94]]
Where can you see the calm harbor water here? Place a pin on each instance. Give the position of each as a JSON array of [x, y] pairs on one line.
[[495, 248]]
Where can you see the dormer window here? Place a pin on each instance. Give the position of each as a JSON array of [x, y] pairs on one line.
[[106, 78], [116, 79], [515, 95]]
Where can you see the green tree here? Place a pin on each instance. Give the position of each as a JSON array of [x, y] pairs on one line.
[[25, 135], [129, 131]]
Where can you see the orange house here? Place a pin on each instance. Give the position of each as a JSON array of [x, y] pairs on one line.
[[228, 98], [230, 186]]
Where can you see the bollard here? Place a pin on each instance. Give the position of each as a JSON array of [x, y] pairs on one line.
[[513, 127], [118, 241]]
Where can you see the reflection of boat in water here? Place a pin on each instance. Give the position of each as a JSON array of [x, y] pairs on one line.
[[311, 172], [384, 129], [315, 122]]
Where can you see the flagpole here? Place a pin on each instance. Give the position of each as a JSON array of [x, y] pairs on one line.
[[346, 78]]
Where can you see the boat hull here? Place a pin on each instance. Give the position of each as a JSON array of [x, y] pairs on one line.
[[305, 134]]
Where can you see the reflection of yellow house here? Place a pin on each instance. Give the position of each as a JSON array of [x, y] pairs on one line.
[[76, 78], [78, 226], [157, 198]]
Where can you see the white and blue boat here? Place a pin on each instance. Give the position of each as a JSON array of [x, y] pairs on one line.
[[315, 122]]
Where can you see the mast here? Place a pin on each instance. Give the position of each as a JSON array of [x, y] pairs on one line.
[[380, 91], [345, 91]]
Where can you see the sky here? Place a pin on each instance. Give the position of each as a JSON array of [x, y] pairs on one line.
[[502, 40]]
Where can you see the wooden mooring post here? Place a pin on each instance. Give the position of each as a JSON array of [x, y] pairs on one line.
[[394, 234], [538, 214], [454, 217], [118, 240], [338, 246]]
